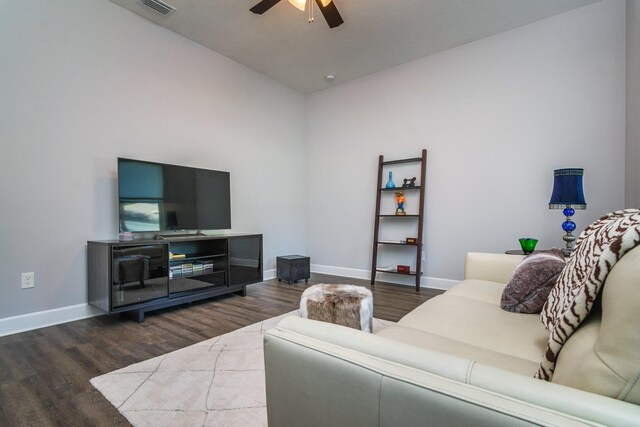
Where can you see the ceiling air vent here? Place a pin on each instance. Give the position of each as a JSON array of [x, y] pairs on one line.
[[159, 6]]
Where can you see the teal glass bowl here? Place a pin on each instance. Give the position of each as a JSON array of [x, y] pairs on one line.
[[528, 244]]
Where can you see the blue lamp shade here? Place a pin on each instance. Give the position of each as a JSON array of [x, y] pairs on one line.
[[567, 189]]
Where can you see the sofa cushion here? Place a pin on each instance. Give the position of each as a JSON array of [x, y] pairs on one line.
[[479, 290], [492, 267], [607, 343], [588, 373], [532, 281], [481, 324], [598, 249], [446, 345]]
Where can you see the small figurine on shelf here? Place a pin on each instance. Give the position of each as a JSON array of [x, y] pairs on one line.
[[409, 182], [400, 199]]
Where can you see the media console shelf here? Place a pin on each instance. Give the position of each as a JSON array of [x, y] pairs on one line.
[[145, 275]]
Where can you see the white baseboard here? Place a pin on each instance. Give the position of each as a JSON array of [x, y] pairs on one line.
[[41, 319], [269, 274], [425, 282]]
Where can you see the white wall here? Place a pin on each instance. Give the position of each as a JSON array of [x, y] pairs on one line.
[[497, 117], [633, 105], [83, 82]]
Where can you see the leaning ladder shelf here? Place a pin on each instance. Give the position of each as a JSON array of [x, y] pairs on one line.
[[420, 217]]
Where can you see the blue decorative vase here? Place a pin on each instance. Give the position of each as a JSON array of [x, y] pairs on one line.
[[390, 183]]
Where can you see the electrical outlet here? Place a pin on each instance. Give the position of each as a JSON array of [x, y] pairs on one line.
[[424, 256], [28, 280]]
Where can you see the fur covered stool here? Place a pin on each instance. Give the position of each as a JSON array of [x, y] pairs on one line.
[[346, 305]]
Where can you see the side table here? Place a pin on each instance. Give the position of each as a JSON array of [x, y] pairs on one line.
[[520, 252], [292, 268]]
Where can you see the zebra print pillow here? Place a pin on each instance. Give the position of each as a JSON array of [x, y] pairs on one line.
[[598, 249]]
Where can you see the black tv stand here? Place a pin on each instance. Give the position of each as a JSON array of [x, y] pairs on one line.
[[144, 275], [171, 236]]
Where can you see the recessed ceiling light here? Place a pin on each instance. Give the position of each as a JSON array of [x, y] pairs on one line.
[[329, 77]]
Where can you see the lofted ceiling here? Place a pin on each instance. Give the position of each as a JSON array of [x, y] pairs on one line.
[[376, 34]]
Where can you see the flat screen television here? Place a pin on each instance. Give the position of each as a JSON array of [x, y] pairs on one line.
[[159, 197]]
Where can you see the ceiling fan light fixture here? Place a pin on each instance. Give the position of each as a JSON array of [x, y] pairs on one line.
[[327, 8], [300, 4]]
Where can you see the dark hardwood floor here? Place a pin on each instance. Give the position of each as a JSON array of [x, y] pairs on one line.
[[45, 373]]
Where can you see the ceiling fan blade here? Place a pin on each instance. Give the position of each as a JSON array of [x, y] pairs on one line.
[[331, 14], [263, 6]]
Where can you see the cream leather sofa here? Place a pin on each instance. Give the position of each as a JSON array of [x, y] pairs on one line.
[[459, 360]]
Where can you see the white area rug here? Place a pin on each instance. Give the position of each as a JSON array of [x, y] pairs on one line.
[[218, 382]]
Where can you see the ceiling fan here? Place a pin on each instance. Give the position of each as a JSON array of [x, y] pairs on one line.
[[328, 9]]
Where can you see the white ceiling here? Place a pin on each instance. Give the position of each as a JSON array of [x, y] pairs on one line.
[[377, 34]]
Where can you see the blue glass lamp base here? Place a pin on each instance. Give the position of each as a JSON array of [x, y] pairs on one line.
[[568, 226]]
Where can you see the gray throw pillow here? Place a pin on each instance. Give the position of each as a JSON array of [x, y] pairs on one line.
[[532, 281]]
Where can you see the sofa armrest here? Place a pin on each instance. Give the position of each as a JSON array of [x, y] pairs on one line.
[[492, 267], [319, 374]]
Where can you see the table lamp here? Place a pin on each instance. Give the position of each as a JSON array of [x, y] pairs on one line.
[[568, 195]]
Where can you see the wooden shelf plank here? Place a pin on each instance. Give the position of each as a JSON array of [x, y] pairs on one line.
[[399, 216], [395, 162], [417, 187], [411, 273], [389, 242]]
